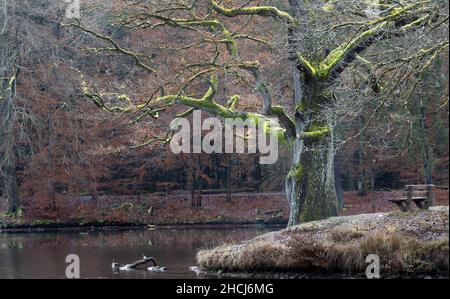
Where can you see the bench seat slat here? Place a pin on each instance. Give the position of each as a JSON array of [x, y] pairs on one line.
[[419, 187], [405, 199]]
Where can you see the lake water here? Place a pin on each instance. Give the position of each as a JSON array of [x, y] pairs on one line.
[[43, 255]]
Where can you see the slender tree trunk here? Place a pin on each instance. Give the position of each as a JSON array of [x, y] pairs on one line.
[[426, 146], [361, 158], [51, 166], [197, 186], [372, 188], [216, 172], [372, 166], [338, 182], [310, 184], [348, 182], [193, 180], [198, 200], [10, 183], [227, 177], [258, 173], [8, 157]]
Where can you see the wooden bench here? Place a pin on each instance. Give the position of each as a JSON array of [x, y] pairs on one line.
[[421, 195]]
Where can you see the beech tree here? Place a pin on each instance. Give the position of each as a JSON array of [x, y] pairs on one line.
[[30, 111], [195, 50], [9, 70]]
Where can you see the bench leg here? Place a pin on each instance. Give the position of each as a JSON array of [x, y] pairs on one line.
[[421, 204], [430, 197], [427, 204], [408, 206], [402, 206], [409, 198]]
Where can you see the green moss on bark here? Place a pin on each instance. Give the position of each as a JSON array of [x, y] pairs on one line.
[[316, 133], [310, 185]]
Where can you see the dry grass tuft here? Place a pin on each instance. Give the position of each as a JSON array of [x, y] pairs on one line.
[[398, 253], [345, 234], [260, 255]]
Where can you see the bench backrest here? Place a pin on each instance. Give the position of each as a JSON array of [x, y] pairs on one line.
[[419, 190], [419, 187]]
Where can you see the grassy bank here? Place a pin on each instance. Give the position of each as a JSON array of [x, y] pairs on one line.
[[407, 243]]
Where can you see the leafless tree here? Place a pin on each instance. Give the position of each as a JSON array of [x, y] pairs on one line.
[[197, 46], [9, 70]]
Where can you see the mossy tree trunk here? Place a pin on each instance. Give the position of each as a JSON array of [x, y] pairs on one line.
[[310, 184]]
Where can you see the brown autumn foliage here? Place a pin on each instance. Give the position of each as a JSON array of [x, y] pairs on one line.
[[73, 150]]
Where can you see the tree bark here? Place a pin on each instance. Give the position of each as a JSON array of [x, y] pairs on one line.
[[193, 173], [227, 177], [8, 161], [216, 172], [426, 147], [11, 189], [310, 184], [258, 173], [361, 160], [197, 186], [372, 189], [51, 162], [198, 199], [338, 182]]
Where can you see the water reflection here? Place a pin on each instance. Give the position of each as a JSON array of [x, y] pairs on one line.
[[42, 255]]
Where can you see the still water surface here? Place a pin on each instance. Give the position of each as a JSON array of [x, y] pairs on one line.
[[42, 255]]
